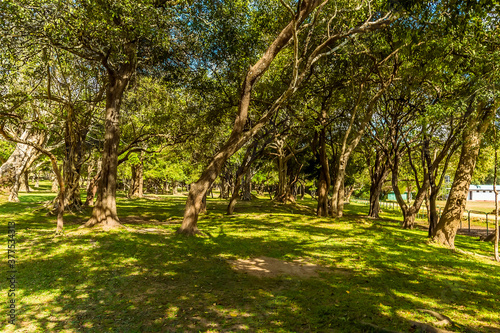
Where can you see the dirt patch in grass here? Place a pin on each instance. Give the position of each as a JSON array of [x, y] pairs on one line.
[[272, 267]]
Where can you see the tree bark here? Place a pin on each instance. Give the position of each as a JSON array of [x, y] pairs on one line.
[[104, 212], [74, 138], [92, 185], [25, 184], [324, 181], [378, 174], [247, 186], [136, 188], [237, 183], [449, 222]]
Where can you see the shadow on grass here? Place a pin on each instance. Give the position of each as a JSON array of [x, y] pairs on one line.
[[90, 281]]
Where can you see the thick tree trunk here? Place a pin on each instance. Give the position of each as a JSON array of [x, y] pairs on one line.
[[104, 212], [449, 222]]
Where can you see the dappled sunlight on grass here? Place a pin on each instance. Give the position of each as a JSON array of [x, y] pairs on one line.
[[148, 279]]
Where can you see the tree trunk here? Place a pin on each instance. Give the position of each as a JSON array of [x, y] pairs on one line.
[[104, 212], [92, 184], [378, 175], [37, 180], [340, 202], [324, 181], [236, 191], [433, 213], [282, 179], [25, 186], [337, 185], [136, 188], [449, 222], [203, 208], [247, 188], [55, 187], [222, 194]]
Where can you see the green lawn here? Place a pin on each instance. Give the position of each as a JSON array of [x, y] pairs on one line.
[[147, 279]]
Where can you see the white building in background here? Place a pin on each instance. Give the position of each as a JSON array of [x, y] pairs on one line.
[[482, 193]]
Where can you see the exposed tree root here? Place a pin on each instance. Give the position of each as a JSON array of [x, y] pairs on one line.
[[427, 328], [443, 320]]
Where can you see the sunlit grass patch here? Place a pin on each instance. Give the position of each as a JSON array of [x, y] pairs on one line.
[[148, 279]]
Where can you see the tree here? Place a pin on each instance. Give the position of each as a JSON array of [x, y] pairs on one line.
[[302, 63], [477, 125], [105, 33]]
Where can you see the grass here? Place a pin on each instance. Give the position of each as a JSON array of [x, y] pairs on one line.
[[148, 279]]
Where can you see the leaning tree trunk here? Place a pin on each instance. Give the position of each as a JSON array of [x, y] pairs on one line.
[[449, 222], [104, 212]]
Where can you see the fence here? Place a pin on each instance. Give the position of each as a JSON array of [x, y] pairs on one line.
[[470, 217]]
